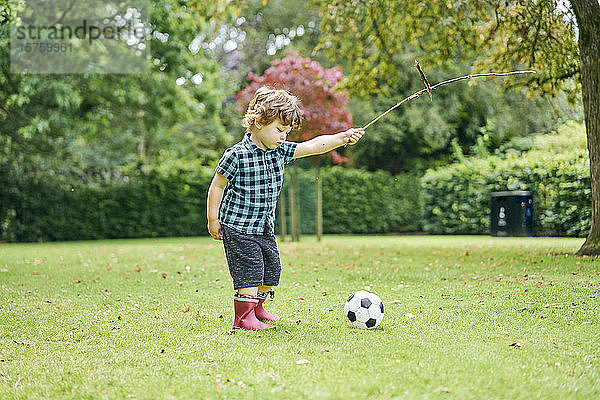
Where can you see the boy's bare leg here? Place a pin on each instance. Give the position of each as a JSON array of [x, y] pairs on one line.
[[264, 289], [251, 291], [260, 312]]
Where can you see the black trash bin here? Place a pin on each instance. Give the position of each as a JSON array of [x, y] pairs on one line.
[[511, 213]]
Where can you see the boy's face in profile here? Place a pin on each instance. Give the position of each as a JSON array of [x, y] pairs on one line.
[[272, 135]]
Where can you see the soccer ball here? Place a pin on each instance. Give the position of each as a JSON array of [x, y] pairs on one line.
[[364, 310]]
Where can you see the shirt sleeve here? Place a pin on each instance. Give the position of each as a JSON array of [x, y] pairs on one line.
[[228, 164], [287, 150]]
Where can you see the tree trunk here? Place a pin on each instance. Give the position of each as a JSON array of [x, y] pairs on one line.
[[142, 147], [319, 205], [587, 13]]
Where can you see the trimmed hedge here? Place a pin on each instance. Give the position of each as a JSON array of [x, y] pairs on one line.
[[456, 198], [47, 208], [172, 202], [357, 201]]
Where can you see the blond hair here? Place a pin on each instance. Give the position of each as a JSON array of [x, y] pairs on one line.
[[269, 104]]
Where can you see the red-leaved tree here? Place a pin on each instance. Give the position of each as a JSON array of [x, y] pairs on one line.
[[324, 109]]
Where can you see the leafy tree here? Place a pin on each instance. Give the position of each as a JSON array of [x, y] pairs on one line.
[[323, 108], [94, 127], [90, 125], [261, 32], [557, 39], [419, 135]]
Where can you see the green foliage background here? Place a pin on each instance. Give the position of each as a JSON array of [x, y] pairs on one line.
[[148, 203], [555, 167], [102, 156], [170, 199], [357, 201]]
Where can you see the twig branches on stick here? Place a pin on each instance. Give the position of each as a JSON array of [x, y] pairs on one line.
[[429, 88]]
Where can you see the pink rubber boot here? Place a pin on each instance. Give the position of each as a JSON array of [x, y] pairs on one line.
[[244, 313], [260, 312]]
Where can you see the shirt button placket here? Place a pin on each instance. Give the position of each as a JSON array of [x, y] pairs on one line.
[[268, 194], [271, 191]]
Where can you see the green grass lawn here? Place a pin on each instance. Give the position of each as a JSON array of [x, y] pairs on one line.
[[150, 319]]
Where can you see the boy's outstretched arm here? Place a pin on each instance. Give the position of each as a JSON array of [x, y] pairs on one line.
[[215, 195], [324, 143]]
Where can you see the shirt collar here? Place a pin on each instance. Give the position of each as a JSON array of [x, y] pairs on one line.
[[251, 145]]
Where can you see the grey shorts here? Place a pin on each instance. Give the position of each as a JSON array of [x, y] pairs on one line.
[[253, 259]]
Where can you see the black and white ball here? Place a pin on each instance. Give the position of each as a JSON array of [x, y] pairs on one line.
[[364, 310]]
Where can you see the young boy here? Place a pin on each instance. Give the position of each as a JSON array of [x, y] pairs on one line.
[[252, 170]]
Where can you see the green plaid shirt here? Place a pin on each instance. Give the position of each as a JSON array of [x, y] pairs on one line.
[[255, 177]]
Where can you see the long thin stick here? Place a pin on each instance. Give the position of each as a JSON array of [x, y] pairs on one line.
[[420, 92]]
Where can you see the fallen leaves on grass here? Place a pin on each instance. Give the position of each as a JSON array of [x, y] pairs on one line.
[[515, 345], [302, 362], [218, 382], [18, 382]]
